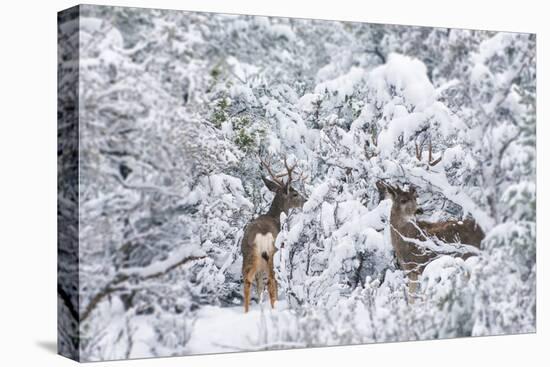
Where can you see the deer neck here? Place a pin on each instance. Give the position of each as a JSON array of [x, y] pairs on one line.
[[275, 211], [399, 220]]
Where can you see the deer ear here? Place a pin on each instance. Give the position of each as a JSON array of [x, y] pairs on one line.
[[272, 186], [393, 191], [383, 190]]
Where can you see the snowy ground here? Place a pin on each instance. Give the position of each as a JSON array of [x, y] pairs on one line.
[[220, 330], [227, 329]]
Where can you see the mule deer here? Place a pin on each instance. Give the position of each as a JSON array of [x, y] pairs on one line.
[[409, 236], [258, 244]]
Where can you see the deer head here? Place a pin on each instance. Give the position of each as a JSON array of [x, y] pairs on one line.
[[404, 202], [286, 197]]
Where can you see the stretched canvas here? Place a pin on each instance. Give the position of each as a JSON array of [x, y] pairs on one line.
[[233, 183]]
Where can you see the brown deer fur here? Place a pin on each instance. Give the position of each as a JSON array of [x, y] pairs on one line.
[[404, 228], [258, 243]]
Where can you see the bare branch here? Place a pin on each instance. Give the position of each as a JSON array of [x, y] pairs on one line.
[[431, 161], [419, 150], [116, 284]]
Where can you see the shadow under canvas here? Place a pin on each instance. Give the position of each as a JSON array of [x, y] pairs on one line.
[[48, 345]]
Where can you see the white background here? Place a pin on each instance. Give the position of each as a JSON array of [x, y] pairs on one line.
[[28, 182]]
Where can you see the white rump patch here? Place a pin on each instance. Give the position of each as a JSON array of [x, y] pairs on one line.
[[264, 243]]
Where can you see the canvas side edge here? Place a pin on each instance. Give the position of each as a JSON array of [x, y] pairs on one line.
[[68, 320]]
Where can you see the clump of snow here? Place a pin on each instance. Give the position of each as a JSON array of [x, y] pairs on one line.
[[409, 78], [408, 99], [342, 86], [90, 24], [317, 196], [282, 31], [241, 70], [306, 102]]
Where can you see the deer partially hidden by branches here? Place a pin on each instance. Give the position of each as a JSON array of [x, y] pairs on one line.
[[258, 244], [416, 243]]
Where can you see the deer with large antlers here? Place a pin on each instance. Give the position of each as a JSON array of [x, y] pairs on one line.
[[411, 238], [258, 244]]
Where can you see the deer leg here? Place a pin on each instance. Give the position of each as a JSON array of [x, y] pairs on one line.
[[413, 286], [259, 285], [248, 276], [272, 286], [247, 285]]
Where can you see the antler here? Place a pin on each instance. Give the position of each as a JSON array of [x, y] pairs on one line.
[[278, 177], [274, 177], [289, 171]]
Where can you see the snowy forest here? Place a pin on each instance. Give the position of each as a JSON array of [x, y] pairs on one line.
[[175, 111]]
